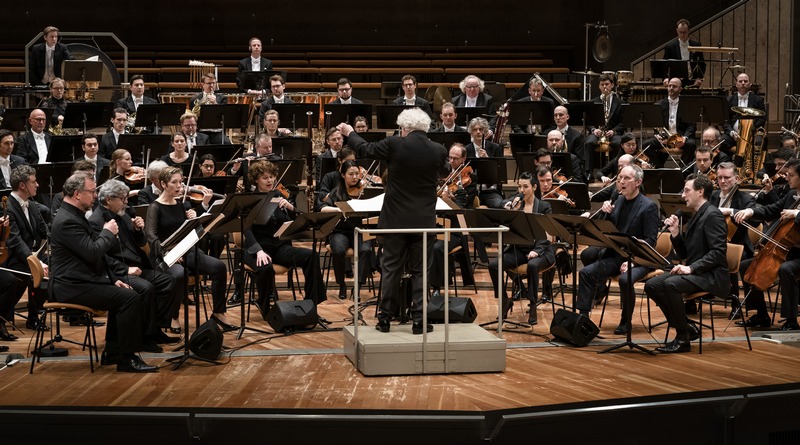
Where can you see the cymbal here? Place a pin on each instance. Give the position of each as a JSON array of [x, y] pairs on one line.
[[586, 73], [748, 111]]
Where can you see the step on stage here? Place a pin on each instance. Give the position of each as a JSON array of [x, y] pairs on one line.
[[399, 352]]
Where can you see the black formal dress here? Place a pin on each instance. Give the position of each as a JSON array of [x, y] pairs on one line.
[[415, 165]]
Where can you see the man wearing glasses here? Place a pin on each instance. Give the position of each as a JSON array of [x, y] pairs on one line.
[[277, 85], [209, 96], [189, 128], [474, 97], [34, 144], [345, 91]]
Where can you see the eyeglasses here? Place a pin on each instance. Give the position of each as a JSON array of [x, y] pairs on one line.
[[92, 191], [472, 87], [39, 119], [343, 90], [210, 83], [207, 166], [122, 198]]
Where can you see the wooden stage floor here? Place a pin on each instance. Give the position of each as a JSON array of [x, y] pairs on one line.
[[308, 371]]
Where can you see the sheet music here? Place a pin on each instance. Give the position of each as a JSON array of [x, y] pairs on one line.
[[376, 204], [181, 248]]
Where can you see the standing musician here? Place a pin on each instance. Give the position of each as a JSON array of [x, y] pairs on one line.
[[746, 99], [47, 58], [262, 247], [781, 212], [535, 94], [572, 137], [126, 260], [27, 234], [730, 200], [56, 100], [277, 87], [164, 216], [678, 49], [613, 128], [629, 147], [555, 143], [704, 250], [634, 214], [448, 116], [349, 186], [415, 166], [80, 273], [538, 256], [461, 190], [108, 143], [254, 62]]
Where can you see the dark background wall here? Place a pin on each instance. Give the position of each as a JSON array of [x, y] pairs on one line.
[[205, 24]]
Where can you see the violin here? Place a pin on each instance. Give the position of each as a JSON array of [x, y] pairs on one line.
[[712, 176], [642, 159], [559, 177], [135, 175], [557, 193], [197, 192], [281, 191], [4, 232]]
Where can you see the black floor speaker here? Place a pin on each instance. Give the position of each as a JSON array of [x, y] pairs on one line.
[[573, 327], [292, 315], [206, 342], [462, 310]]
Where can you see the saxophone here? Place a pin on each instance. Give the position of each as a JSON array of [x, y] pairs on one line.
[[205, 101]]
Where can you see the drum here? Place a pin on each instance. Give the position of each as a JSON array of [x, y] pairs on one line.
[[624, 79], [241, 98], [314, 98], [177, 98]]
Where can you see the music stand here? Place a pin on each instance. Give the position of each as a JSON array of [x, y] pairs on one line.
[[563, 163], [297, 114], [139, 144], [703, 109], [223, 116], [589, 114], [386, 115], [371, 136], [240, 212], [64, 148], [466, 114], [522, 142], [221, 152], [672, 203], [642, 254], [662, 180], [669, 68], [557, 206], [645, 114], [532, 112], [579, 194], [346, 112], [258, 80], [159, 115], [55, 174], [296, 170], [448, 139], [16, 119], [488, 170], [87, 115], [223, 185], [291, 147], [83, 71]]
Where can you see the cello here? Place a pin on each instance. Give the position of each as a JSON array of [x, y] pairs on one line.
[[780, 239]]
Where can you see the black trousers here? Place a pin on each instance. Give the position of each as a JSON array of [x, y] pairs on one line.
[[514, 257], [11, 289], [402, 251], [289, 256], [594, 276], [667, 291], [199, 261], [158, 313], [436, 261], [339, 242]]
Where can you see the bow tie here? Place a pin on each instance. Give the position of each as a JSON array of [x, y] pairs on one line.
[[24, 204], [4, 162], [38, 136]]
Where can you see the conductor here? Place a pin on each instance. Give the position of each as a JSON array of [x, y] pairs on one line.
[[415, 166]]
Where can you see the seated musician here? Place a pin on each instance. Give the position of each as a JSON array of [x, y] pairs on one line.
[[678, 49], [332, 178], [349, 186], [657, 147], [56, 100], [634, 214], [209, 96], [27, 234], [164, 216], [545, 180], [448, 116], [178, 156], [277, 96], [8, 161], [262, 248], [481, 147], [122, 169], [34, 144], [535, 94], [161, 294], [463, 194], [703, 249], [711, 138], [344, 92], [729, 200], [334, 141], [538, 256], [206, 166], [703, 164], [272, 125], [610, 192], [108, 142], [555, 143], [473, 96], [90, 146], [789, 141], [743, 98], [774, 188], [81, 165], [360, 124], [781, 212], [409, 96], [151, 192], [612, 128], [629, 147], [136, 98], [189, 128], [573, 138]]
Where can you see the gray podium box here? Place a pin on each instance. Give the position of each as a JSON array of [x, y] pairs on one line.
[[399, 352]]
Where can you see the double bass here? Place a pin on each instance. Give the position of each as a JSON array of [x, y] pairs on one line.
[[778, 241]]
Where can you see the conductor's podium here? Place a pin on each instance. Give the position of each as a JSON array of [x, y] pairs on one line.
[[399, 352]]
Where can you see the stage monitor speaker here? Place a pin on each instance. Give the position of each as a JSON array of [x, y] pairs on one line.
[[292, 315], [574, 328], [206, 342], [462, 310]]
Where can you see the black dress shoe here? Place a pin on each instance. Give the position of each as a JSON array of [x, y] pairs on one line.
[[5, 335], [176, 331], [508, 306], [3, 348], [756, 321], [383, 325], [32, 324], [790, 326], [224, 326], [162, 338], [416, 328], [132, 363], [694, 332], [691, 307], [235, 299], [675, 346], [621, 329], [108, 358], [342, 292], [532, 320], [83, 321]]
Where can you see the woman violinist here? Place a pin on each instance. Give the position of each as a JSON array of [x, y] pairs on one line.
[[122, 169], [178, 156], [629, 147], [207, 166], [164, 217], [262, 248], [342, 238], [538, 256], [785, 258]]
